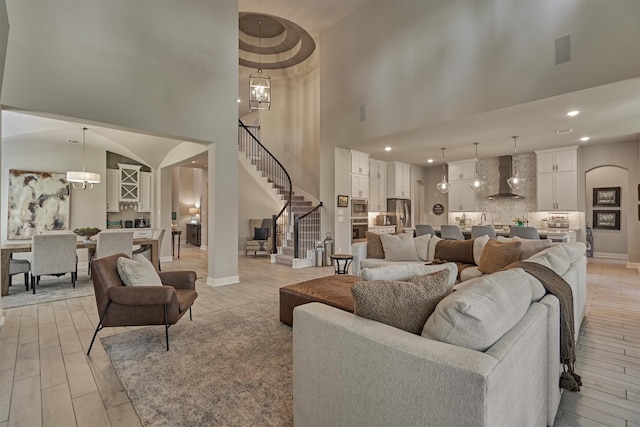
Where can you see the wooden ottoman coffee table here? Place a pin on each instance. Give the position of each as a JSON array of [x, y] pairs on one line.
[[331, 290]]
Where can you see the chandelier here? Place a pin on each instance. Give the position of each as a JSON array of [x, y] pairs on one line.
[[516, 182], [443, 186], [478, 183], [83, 180], [259, 82]]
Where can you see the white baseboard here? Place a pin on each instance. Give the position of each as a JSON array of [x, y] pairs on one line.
[[204, 248], [166, 259], [303, 263], [223, 281], [610, 255], [635, 265]]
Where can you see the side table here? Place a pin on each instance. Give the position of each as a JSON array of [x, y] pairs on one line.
[[175, 233], [337, 258]]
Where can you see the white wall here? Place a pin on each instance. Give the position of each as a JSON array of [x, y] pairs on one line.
[[122, 64], [625, 155], [609, 243]]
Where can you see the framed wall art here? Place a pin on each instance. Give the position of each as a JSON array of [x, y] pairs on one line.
[[609, 196], [38, 201], [343, 201], [606, 220]]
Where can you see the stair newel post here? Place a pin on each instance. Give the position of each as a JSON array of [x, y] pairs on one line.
[[274, 238], [296, 240]]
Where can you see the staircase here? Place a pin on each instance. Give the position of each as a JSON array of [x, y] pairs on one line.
[[270, 174]]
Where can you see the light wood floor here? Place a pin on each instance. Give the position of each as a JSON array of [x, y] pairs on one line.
[[46, 379]]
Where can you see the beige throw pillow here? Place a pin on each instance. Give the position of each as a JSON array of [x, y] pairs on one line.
[[530, 247], [432, 247], [497, 255], [402, 304], [138, 272], [374, 245], [399, 247], [478, 247], [422, 246]]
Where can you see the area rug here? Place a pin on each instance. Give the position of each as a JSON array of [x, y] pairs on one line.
[[50, 289], [231, 367]]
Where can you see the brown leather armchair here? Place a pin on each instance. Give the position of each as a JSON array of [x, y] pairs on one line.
[[120, 305]]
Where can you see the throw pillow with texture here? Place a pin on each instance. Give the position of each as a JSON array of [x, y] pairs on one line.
[[404, 305], [260, 233], [478, 247], [497, 255], [455, 251], [399, 247], [374, 245], [432, 247], [531, 247], [422, 246], [138, 272]]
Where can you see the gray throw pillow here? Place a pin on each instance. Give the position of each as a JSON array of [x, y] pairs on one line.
[[138, 272], [399, 247], [404, 305], [260, 233]]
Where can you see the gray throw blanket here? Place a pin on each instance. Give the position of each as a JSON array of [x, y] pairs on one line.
[[558, 287]]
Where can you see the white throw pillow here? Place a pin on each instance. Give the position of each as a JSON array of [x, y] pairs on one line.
[[478, 247], [399, 247], [405, 271], [138, 272], [432, 248], [422, 246]]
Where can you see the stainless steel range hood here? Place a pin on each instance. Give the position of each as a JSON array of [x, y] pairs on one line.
[[504, 173]]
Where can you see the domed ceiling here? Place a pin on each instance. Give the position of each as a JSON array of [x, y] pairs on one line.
[[270, 42]]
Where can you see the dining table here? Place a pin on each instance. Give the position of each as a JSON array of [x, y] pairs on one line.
[[7, 250]]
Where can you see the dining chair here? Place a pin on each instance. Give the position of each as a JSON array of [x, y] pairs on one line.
[[19, 266], [53, 255], [422, 229], [111, 243], [524, 233], [451, 232], [481, 230], [145, 250]]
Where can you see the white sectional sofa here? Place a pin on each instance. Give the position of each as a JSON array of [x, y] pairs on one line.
[[349, 370]]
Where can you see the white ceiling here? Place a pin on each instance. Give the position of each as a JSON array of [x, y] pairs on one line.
[[609, 113]]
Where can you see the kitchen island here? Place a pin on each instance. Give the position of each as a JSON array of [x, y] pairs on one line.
[[555, 234]]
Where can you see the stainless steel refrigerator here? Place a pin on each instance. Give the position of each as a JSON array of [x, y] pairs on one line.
[[399, 211]]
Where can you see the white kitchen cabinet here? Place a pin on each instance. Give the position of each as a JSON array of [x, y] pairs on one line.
[[129, 182], [557, 179], [359, 186], [398, 180], [461, 197], [557, 160], [377, 195], [557, 191], [359, 163], [113, 190], [463, 170], [377, 169], [144, 203]]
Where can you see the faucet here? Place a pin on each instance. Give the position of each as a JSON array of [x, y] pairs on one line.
[[483, 218]]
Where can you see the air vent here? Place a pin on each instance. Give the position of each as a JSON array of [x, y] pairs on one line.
[[563, 131], [73, 141]]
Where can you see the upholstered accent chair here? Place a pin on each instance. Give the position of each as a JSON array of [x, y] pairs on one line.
[[524, 233], [136, 305], [53, 254], [422, 229], [260, 235], [451, 232], [111, 243], [482, 230], [19, 266]]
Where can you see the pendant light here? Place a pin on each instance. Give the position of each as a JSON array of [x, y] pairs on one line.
[[516, 182], [478, 183], [83, 180], [259, 83], [443, 186]]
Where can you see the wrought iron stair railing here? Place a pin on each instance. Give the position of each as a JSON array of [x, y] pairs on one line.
[[273, 170]]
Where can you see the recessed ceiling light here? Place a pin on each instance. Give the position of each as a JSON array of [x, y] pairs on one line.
[[387, 148], [238, 100], [193, 161], [562, 131], [573, 113], [429, 160], [584, 139]]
